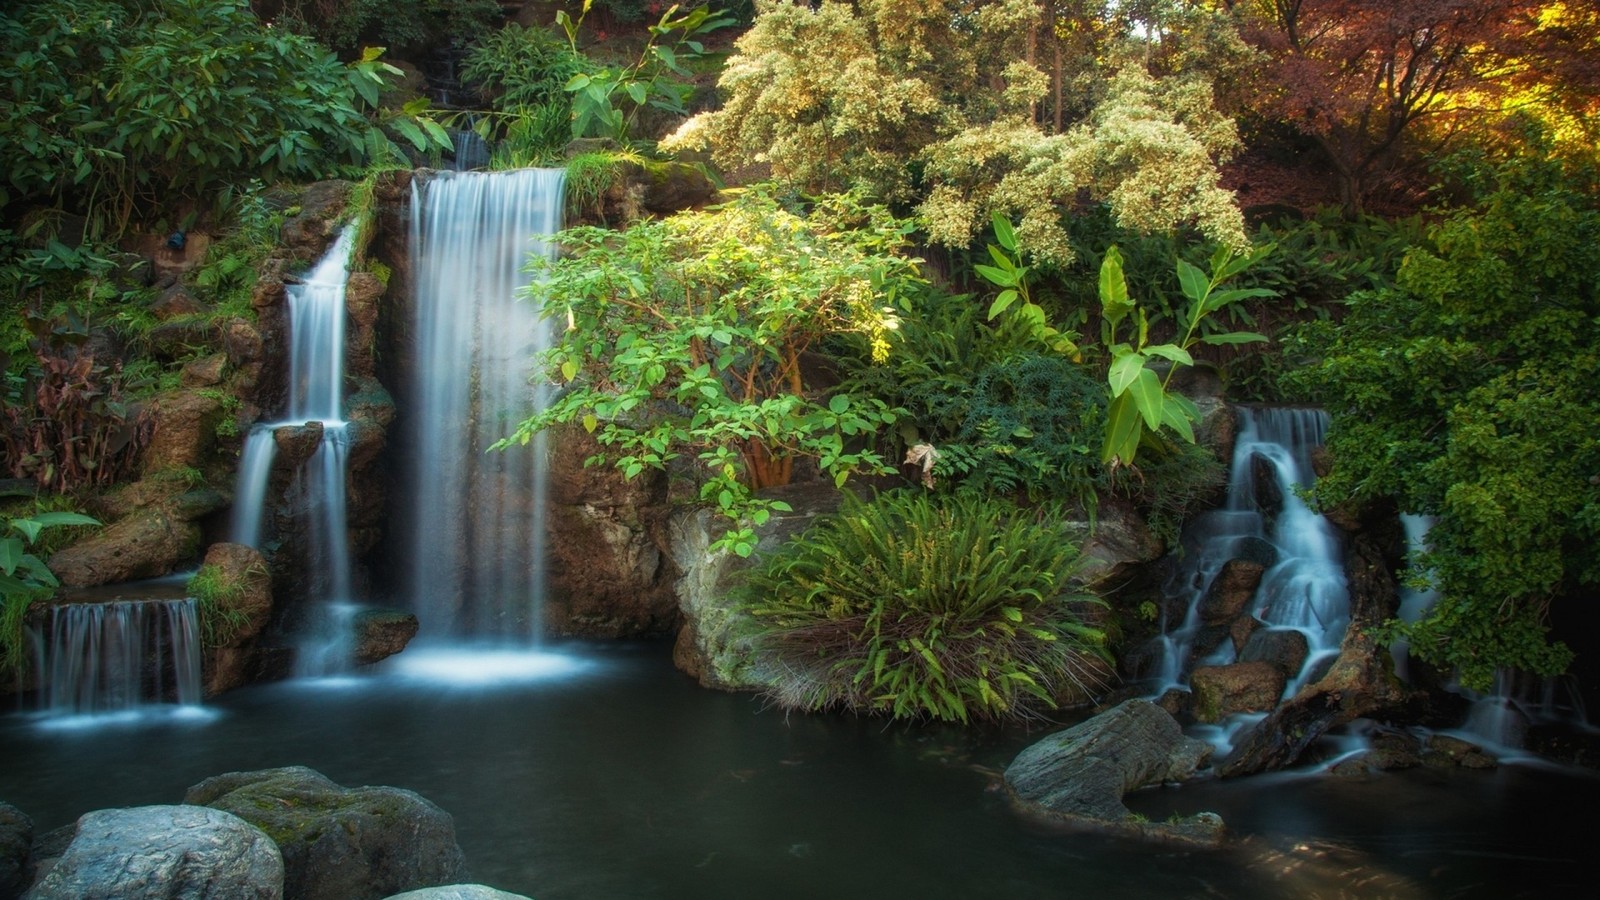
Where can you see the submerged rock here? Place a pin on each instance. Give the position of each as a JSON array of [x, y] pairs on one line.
[[160, 852], [1079, 776], [458, 892], [340, 843]]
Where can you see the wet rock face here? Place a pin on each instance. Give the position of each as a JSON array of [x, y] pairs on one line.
[[228, 665], [341, 843], [1231, 591], [185, 430], [1079, 776], [159, 852], [1221, 691], [381, 633], [146, 544], [1285, 649]]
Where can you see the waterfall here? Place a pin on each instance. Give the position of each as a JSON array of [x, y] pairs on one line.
[[1265, 520], [119, 656], [316, 308], [477, 530]]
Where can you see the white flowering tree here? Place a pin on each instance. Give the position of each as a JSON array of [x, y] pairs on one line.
[[953, 106]]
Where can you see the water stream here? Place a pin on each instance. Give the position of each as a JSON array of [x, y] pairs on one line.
[[477, 534], [117, 658]]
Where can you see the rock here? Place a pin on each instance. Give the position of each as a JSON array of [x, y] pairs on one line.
[[1221, 691], [1230, 591], [157, 852], [714, 645], [204, 372], [1360, 683], [296, 444], [1178, 703], [1079, 776], [458, 892], [181, 338], [1444, 750], [228, 665], [381, 633], [361, 297], [146, 544], [16, 851], [1120, 542], [1240, 630], [1269, 494], [341, 843], [1285, 648], [167, 261], [609, 576], [309, 232], [185, 430], [175, 301]]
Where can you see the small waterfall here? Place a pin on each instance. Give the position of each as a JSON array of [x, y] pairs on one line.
[[119, 657], [316, 396], [1264, 520], [477, 529]]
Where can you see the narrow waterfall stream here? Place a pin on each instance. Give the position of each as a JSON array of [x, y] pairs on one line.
[[477, 539], [118, 657], [1263, 526], [316, 399]]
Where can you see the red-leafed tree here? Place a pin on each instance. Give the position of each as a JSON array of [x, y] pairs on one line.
[[1379, 83]]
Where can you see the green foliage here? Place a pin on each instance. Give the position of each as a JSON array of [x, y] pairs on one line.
[[1466, 391], [217, 593], [524, 71], [685, 336], [124, 108], [24, 578], [921, 606], [353, 24], [607, 99], [1011, 276], [1140, 401]]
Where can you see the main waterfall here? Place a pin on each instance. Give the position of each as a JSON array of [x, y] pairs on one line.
[[477, 520]]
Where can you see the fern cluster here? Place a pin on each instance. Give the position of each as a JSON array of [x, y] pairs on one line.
[[955, 608]]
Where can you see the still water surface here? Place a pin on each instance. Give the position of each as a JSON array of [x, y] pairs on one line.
[[605, 773]]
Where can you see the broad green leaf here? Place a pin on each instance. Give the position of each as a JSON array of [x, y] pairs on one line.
[[1195, 283], [1170, 351], [10, 586], [48, 519], [569, 370], [1233, 337], [1003, 232], [1125, 370], [839, 404], [1148, 395], [1006, 298], [10, 554], [1223, 298], [996, 276], [409, 130], [590, 423], [1124, 426], [1173, 417], [1114, 302]]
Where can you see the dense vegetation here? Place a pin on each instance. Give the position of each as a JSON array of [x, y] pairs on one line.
[[1094, 186]]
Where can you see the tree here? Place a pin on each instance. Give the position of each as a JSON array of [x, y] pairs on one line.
[[938, 104], [1379, 84], [1467, 392]]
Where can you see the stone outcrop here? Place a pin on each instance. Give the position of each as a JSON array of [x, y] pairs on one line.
[[1285, 649], [381, 633], [228, 664], [185, 430], [147, 543], [1230, 591], [609, 574], [1078, 777], [1221, 691], [1120, 540], [161, 852], [714, 645], [16, 851], [341, 843]]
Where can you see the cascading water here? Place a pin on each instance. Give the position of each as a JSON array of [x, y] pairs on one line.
[[114, 657], [477, 542], [1264, 519], [316, 397]]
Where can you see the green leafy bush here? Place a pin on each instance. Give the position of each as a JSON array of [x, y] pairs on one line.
[[686, 336], [924, 606], [24, 578], [1467, 391]]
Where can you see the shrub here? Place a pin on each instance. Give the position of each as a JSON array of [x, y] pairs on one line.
[[24, 578], [924, 606], [216, 593]]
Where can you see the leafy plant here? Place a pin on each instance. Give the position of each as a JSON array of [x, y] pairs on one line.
[[686, 336], [921, 606], [217, 593], [1140, 401], [657, 79], [24, 577], [1011, 276]]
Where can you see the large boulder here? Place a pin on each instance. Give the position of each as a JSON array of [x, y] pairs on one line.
[[1079, 776], [158, 852], [381, 633], [1230, 591], [148, 543], [185, 430], [715, 644], [1285, 649], [1119, 542], [16, 851], [340, 843], [1221, 691]]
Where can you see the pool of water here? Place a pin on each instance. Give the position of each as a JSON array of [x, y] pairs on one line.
[[601, 772]]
